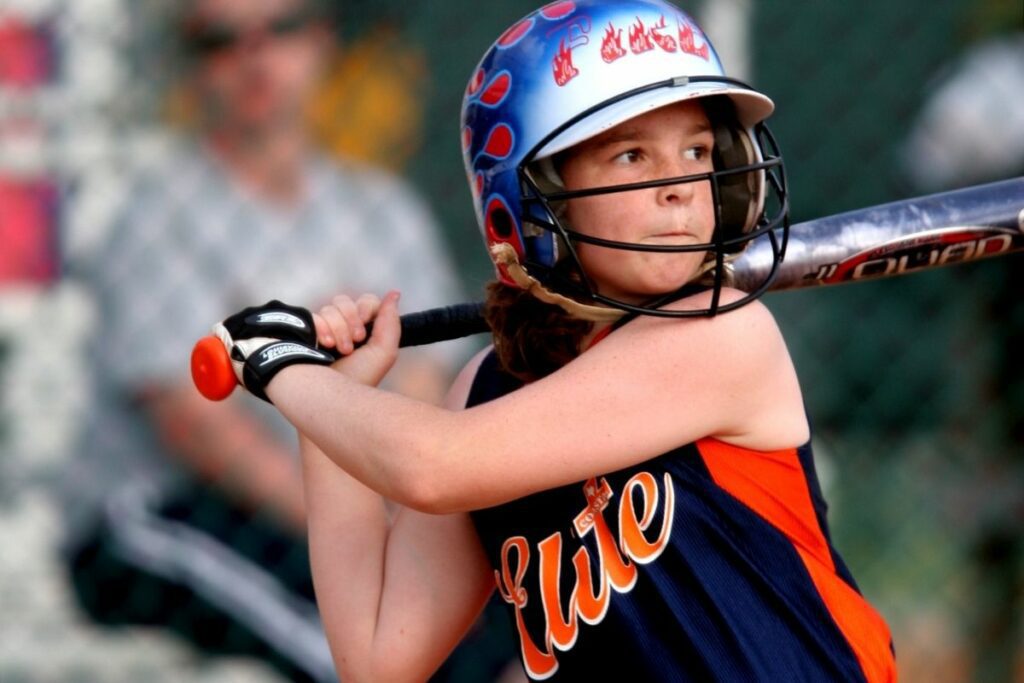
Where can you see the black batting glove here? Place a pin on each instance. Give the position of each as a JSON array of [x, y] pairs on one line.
[[263, 340]]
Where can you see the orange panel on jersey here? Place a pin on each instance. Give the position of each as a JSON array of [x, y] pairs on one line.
[[864, 629], [773, 484]]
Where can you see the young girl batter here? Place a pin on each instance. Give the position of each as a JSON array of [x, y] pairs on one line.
[[630, 463]]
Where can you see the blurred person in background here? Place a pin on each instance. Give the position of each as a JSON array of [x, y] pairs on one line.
[[970, 129], [186, 513]]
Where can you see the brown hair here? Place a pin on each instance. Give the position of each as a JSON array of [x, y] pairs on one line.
[[532, 338]]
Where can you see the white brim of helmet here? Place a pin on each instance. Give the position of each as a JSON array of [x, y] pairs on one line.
[[751, 108]]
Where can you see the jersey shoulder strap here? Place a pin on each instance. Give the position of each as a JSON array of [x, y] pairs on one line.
[[491, 381]]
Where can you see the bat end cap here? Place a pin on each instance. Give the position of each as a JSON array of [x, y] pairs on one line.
[[212, 373]]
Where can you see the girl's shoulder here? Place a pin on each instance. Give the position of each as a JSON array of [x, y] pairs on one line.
[[735, 364], [750, 329]]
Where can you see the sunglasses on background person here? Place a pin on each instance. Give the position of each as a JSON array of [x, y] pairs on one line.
[[207, 38]]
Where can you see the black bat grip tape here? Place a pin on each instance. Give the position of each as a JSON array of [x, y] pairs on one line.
[[441, 324], [435, 325]]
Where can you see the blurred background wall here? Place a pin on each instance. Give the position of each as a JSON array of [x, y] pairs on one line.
[[915, 385]]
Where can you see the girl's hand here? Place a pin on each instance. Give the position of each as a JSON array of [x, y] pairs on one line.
[[341, 324]]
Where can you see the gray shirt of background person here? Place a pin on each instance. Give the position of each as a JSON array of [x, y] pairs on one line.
[[191, 247]]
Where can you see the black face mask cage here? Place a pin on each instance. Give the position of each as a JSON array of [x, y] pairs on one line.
[[773, 220]]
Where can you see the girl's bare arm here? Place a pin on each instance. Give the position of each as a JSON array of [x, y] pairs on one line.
[[650, 387], [397, 595]]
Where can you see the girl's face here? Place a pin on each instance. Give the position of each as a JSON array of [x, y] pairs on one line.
[[675, 140]]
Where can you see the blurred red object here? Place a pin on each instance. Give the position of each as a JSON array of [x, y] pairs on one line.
[[28, 231], [26, 53]]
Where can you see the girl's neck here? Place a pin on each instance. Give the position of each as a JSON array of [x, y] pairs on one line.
[[599, 332]]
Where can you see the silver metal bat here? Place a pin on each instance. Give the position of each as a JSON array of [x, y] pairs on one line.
[[894, 239]]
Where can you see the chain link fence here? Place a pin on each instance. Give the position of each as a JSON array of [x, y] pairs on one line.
[[915, 385]]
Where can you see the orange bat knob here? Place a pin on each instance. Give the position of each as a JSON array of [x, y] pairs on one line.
[[211, 369]]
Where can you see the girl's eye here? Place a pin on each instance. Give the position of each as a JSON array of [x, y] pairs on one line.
[[628, 157], [696, 153]]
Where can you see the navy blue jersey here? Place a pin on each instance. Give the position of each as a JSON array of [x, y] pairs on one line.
[[710, 562]]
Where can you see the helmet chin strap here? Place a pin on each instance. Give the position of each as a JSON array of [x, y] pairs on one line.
[[504, 255]]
